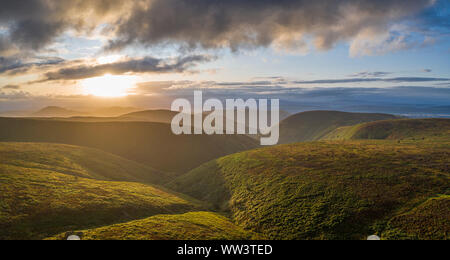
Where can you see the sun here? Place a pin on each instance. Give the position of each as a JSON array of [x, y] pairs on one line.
[[109, 86]]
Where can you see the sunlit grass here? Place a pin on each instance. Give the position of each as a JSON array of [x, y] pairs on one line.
[[189, 226]]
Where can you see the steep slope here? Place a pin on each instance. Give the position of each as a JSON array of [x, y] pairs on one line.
[[152, 144], [322, 190], [312, 126], [40, 198], [420, 129], [189, 226]]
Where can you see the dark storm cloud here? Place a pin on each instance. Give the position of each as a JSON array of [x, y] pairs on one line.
[[20, 65], [142, 65], [34, 24], [239, 23], [5, 46]]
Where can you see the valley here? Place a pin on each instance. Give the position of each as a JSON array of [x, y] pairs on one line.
[[382, 175]]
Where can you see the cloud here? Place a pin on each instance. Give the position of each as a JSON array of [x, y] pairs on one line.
[[133, 66], [407, 100], [286, 25], [16, 95], [18, 65], [367, 74], [34, 24], [14, 87], [6, 47], [239, 24], [287, 89], [372, 41], [359, 80]]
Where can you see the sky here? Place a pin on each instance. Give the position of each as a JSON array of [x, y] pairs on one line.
[[356, 55]]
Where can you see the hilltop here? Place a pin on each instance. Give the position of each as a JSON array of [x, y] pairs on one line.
[[156, 116], [314, 125], [405, 129], [327, 190], [48, 189], [152, 144]]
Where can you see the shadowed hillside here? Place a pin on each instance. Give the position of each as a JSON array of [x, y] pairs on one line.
[[154, 116], [412, 129], [325, 190], [152, 144], [48, 189], [312, 126], [189, 226]]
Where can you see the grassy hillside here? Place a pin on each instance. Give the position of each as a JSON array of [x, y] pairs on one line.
[[152, 144], [324, 190], [189, 226], [312, 126], [40, 198], [430, 220], [77, 161], [405, 129]]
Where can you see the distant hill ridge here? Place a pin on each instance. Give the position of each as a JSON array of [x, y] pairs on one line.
[[60, 112], [426, 129], [314, 125], [157, 116], [152, 144], [54, 111]]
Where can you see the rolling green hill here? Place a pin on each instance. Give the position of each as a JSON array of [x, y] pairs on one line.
[[189, 226], [48, 189], [78, 161], [325, 190], [152, 144], [314, 125], [405, 129]]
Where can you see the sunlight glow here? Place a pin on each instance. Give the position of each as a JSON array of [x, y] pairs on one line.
[[109, 59], [109, 85]]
